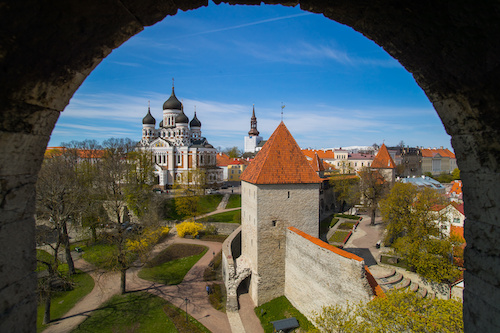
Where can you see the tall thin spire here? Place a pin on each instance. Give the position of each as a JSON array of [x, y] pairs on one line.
[[282, 107], [253, 123]]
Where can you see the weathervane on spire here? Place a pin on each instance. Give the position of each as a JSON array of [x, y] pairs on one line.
[[149, 105], [172, 82], [282, 107]]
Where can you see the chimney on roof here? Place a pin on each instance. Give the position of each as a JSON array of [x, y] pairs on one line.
[[441, 147]]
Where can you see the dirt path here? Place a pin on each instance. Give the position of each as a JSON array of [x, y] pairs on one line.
[[192, 287]]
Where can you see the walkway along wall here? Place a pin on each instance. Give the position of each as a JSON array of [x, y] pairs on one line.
[[318, 274]]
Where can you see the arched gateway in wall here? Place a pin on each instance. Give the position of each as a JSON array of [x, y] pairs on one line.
[[452, 49]]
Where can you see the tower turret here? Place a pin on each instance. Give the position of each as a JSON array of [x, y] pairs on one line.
[[253, 124]]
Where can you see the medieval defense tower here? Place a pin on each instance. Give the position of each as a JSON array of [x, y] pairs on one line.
[[279, 189]]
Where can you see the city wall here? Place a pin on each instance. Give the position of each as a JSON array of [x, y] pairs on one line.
[[318, 274]]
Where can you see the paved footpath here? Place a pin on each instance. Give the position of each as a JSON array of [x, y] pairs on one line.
[[192, 287], [106, 285], [364, 239]]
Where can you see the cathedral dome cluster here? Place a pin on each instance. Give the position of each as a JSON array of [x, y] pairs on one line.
[[178, 146]]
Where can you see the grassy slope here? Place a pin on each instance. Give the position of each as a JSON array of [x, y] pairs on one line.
[[62, 302], [172, 271], [133, 312], [281, 308], [234, 201], [228, 217]]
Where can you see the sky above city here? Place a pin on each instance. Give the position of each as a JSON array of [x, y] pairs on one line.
[[339, 88]]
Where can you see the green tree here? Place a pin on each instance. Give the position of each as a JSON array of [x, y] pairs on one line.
[[347, 191], [373, 188], [117, 173], [412, 218], [455, 174], [398, 311], [58, 199], [233, 152]]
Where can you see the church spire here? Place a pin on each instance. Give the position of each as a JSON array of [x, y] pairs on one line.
[[253, 123]]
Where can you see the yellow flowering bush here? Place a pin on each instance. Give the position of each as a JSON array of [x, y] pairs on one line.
[[148, 239], [189, 228]]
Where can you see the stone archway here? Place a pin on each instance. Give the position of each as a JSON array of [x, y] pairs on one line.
[[450, 47]]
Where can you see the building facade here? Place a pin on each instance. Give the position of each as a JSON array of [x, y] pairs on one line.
[[181, 154]]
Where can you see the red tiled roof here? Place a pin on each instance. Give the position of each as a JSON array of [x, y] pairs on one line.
[[316, 164], [280, 161], [433, 152], [222, 159], [459, 207], [328, 154], [383, 160], [456, 187]]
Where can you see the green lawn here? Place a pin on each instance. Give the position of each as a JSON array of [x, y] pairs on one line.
[[63, 301], [104, 256], [347, 225], [347, 216], [227, 217], [132, 312], [234, 201], [208, 203], [281, 308], [172, 264], [338, 236]]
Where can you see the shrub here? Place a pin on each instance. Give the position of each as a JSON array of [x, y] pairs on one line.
[[189, 228], [347, 216]]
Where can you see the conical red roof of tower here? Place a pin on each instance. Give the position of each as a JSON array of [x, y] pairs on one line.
[[280, 161], [383, 160]]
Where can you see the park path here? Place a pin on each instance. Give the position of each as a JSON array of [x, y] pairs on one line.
[[221, 208], [106, 285], [192, 287]]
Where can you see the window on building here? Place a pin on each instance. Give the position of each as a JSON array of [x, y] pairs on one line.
[[288, 194], [456, 220], [274, 223]]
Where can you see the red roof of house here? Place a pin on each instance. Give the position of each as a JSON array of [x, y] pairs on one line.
[[383, 159], [456, 187], [459, 207], [222, 159], [433, 152], [280, 161], [316, 163], [328, 154]]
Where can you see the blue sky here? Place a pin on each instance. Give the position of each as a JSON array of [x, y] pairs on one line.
[[339, 88]]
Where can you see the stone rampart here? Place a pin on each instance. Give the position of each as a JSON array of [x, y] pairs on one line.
[[318, 274]]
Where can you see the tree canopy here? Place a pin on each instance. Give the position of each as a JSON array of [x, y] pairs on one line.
[[399, 311], [412, 218]]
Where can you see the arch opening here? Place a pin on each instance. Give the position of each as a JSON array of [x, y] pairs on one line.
[[446, 47]]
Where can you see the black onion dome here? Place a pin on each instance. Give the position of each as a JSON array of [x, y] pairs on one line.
[[172, 103], [181, 118], [148, 120], [208, 145], [195, 122]]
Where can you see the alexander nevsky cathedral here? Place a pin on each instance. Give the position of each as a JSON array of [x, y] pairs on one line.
[[178, 147]]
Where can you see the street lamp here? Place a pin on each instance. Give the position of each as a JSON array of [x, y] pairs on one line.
[[186, 300]]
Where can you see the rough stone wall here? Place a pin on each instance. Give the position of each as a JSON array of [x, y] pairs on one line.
[[450, 47], [267, 210], [317, 277]]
